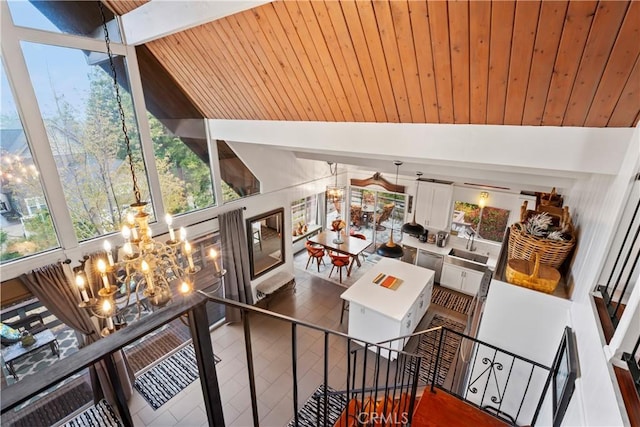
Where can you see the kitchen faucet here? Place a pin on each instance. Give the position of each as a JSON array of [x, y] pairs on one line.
[[471, 234]]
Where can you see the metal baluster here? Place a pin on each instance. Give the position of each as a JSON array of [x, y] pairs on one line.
[[294, 370], [614, 316], [524, 395], [326, 377], [624, 242], [435, 369]]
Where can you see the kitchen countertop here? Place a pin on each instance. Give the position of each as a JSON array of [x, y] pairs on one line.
[[452, 242], [391, 303]]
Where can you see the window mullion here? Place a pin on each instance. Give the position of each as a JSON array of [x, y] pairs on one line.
[[145, 134], [214, 162], [34, 128]]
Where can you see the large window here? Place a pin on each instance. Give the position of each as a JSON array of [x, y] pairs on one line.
[[489, 223], [183, 168], [237, 180], [78, 104], [304, 214], [25, 223]]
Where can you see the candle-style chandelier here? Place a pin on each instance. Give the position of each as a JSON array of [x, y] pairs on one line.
[[145, 268]]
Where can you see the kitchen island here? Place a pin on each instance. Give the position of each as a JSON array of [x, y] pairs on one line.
[[378, 313]]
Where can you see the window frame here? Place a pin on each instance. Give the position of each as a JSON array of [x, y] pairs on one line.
[[29, 113]]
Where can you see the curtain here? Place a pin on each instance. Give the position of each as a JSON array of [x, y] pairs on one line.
[[52, 285], [235, 258]]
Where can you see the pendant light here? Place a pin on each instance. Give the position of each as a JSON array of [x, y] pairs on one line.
[[335, 193], [391, 249], [412, 228]]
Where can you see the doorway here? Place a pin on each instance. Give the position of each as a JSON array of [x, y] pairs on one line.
[[375, 214]]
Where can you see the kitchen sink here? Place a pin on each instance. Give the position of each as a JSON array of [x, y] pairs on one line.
[[469, 256]]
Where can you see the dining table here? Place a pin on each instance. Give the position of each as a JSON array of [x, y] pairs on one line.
[[351, 246]]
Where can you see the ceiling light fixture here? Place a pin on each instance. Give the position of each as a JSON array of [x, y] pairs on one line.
[[413, 228], [391, 249], [335, 193], [484, 195], [144, 268]]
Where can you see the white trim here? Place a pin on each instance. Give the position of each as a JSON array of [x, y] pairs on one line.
[[518, 149], [157, 18]]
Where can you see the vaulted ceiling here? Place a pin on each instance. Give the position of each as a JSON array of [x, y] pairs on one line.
[[551, 63]]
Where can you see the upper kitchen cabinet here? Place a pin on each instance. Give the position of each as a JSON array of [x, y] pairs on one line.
[[433, 206]]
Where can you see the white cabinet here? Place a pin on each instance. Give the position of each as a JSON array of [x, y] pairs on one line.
[[433, 206], [461, 279]]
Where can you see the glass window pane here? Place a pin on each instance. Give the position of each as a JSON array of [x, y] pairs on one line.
[[79, 17], [76, 96], [183, 167], [237, 180], [488, 223], [25, 223]]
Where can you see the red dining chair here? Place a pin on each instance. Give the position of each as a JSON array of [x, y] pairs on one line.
[[339, 262], [316, 253]]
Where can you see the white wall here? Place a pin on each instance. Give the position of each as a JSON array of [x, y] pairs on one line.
[[597, 204], [529, 324]]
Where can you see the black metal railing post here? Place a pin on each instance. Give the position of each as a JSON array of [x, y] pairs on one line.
[[325, 379], [246, 326], [435, 367], [199, 326], [121, 399], [294, 371]]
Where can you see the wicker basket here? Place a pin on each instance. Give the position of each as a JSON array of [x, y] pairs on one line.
[[532, 274], [523, 245]]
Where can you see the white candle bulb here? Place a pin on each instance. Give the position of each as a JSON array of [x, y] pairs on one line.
[[130, 219], [172, 234], [183, 234], [102, 268], [126, 232], [83, 291], [106, 307], [107, 248], [128, 249], [214, 255], [185, 288], [187, 249], [144, 266]]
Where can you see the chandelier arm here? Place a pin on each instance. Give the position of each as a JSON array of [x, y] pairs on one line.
[[136, 189]]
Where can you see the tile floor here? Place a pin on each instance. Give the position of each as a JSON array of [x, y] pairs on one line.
[[316, 301]]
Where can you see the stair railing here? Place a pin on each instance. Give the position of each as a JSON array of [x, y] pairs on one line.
[[492, 379]]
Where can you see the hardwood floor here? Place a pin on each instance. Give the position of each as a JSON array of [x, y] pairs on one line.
[[440, 409]]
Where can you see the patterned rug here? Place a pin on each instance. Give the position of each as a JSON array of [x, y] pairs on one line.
[[100, 415], [155, 346], [51, 407], [169, 377], [428, 348], [451, 300], [308, 414]]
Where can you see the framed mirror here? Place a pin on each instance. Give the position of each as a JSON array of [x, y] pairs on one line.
[[266, 241]]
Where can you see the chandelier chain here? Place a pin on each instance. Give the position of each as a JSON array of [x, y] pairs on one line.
[[136, 189]]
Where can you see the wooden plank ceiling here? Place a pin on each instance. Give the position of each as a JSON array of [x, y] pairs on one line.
[[552, 63]]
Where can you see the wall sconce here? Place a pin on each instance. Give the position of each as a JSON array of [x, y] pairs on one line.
[[484, 195]]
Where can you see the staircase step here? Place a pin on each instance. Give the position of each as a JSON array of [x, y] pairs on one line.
[[440, 409]]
